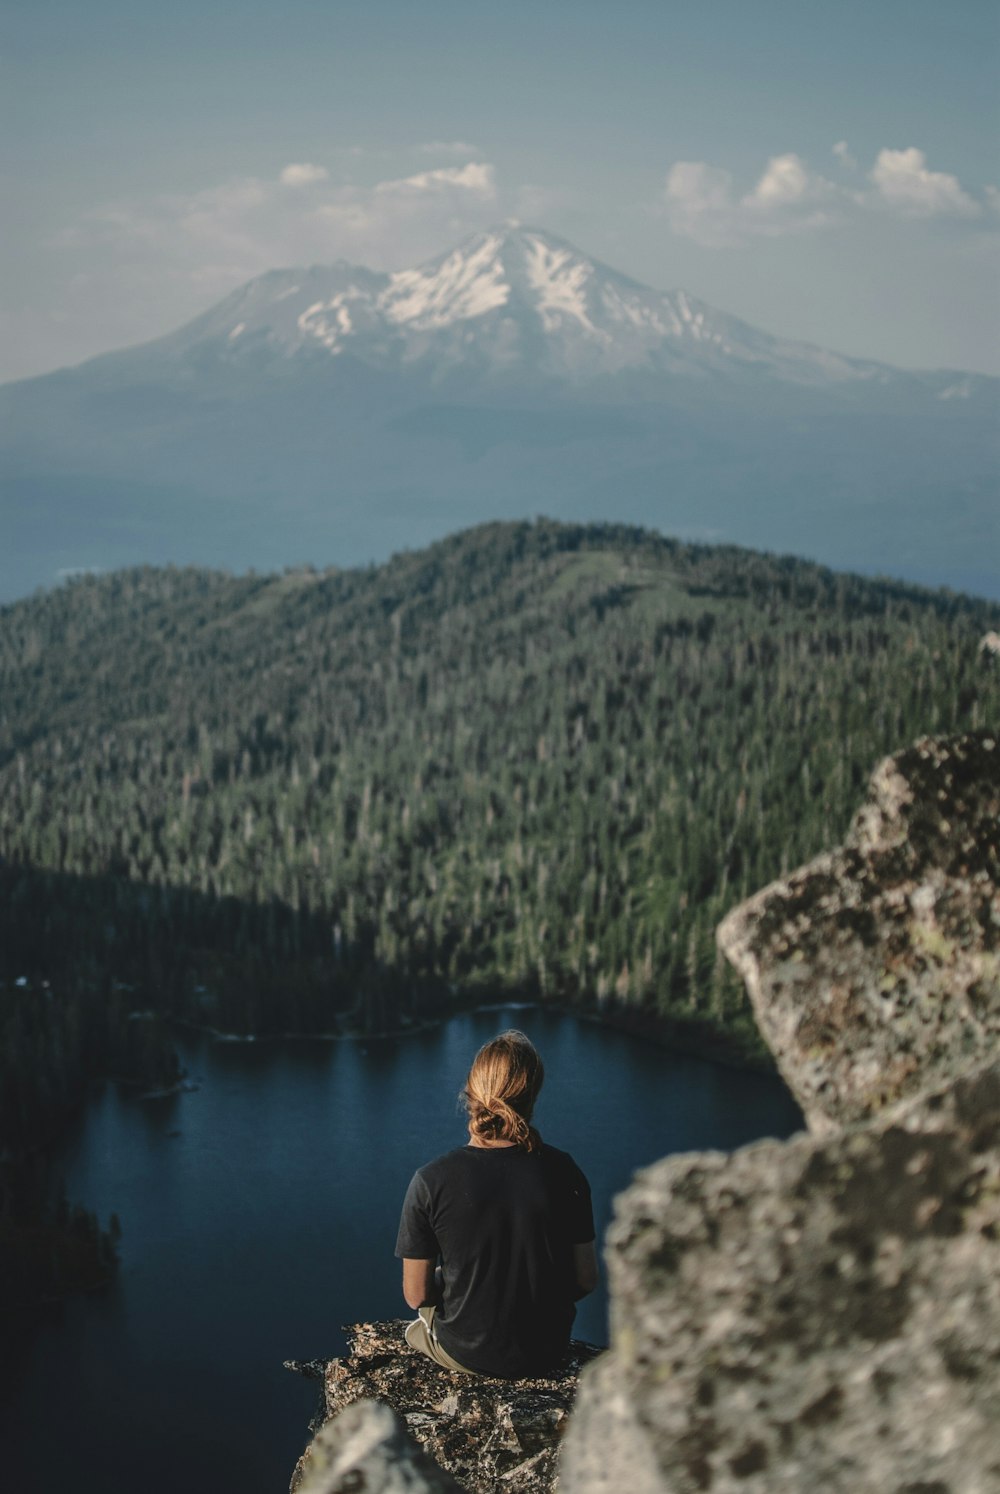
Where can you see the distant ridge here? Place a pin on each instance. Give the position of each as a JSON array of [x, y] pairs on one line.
[[334, 414]]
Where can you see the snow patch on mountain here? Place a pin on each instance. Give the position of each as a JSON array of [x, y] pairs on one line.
[[332, 322], [696, 321], [559, 280], [467, 284]]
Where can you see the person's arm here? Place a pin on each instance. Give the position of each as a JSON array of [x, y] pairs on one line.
[[585, 1269], [418, 1283], [417, 1246]]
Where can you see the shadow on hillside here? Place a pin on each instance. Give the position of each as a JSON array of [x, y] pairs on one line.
[[223, 962]]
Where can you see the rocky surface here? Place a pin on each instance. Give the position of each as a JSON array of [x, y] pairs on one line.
[[874, 972], [367, 1447], [489, 1435]]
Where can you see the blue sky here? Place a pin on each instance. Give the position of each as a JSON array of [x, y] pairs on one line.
[[826, 172]]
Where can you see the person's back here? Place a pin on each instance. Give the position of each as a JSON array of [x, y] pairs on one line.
[[510, 1219]]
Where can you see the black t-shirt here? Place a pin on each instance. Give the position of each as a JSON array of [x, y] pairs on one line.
[[504, 1223]]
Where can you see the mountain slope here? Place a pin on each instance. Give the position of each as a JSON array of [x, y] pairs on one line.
[[532, 758], [334, 414]]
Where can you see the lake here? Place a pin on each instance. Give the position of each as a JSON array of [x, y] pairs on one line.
[[259, 1214]]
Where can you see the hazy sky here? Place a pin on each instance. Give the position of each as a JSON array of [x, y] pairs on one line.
[[827, 171]]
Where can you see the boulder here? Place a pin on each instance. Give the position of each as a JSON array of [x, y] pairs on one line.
[[823, 1313], [874, 971]]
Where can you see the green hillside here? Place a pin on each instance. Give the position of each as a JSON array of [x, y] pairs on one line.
[[534, 758]]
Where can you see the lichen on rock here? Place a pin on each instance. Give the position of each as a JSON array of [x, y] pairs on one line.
[[490, 1435]]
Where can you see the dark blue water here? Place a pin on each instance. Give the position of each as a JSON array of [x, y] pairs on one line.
[[259, 1215]]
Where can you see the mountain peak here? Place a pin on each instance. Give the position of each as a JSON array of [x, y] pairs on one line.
[[512, 301], [521, 271]]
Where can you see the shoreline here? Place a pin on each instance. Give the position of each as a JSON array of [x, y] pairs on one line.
[[693, 1039]]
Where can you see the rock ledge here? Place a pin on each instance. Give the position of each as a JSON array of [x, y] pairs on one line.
[[487, 1435]]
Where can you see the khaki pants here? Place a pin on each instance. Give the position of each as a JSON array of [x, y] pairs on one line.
[[420, 1335]]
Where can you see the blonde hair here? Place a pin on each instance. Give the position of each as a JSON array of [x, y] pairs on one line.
[[501, 1091]]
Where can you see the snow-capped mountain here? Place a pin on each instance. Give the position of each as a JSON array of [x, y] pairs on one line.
[[507, 300], [335, 414]]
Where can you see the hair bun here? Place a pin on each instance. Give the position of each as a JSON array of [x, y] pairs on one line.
[[501, 1090]]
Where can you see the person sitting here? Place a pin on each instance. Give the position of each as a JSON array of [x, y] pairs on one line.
[[497, 1237]]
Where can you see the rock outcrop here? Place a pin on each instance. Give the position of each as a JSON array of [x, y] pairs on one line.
[[489, 1435], [822, 1313], [874, 972]]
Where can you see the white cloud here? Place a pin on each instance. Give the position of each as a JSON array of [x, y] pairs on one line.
[[401, 221], [785, 180], [789, 198], [475, 176], [303, 174], [215, 238], [904, 183], [702, 202]]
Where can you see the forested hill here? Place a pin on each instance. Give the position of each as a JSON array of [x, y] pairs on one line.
[[533, 758]]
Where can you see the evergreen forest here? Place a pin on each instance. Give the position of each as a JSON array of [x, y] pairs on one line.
[[534, 759]]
